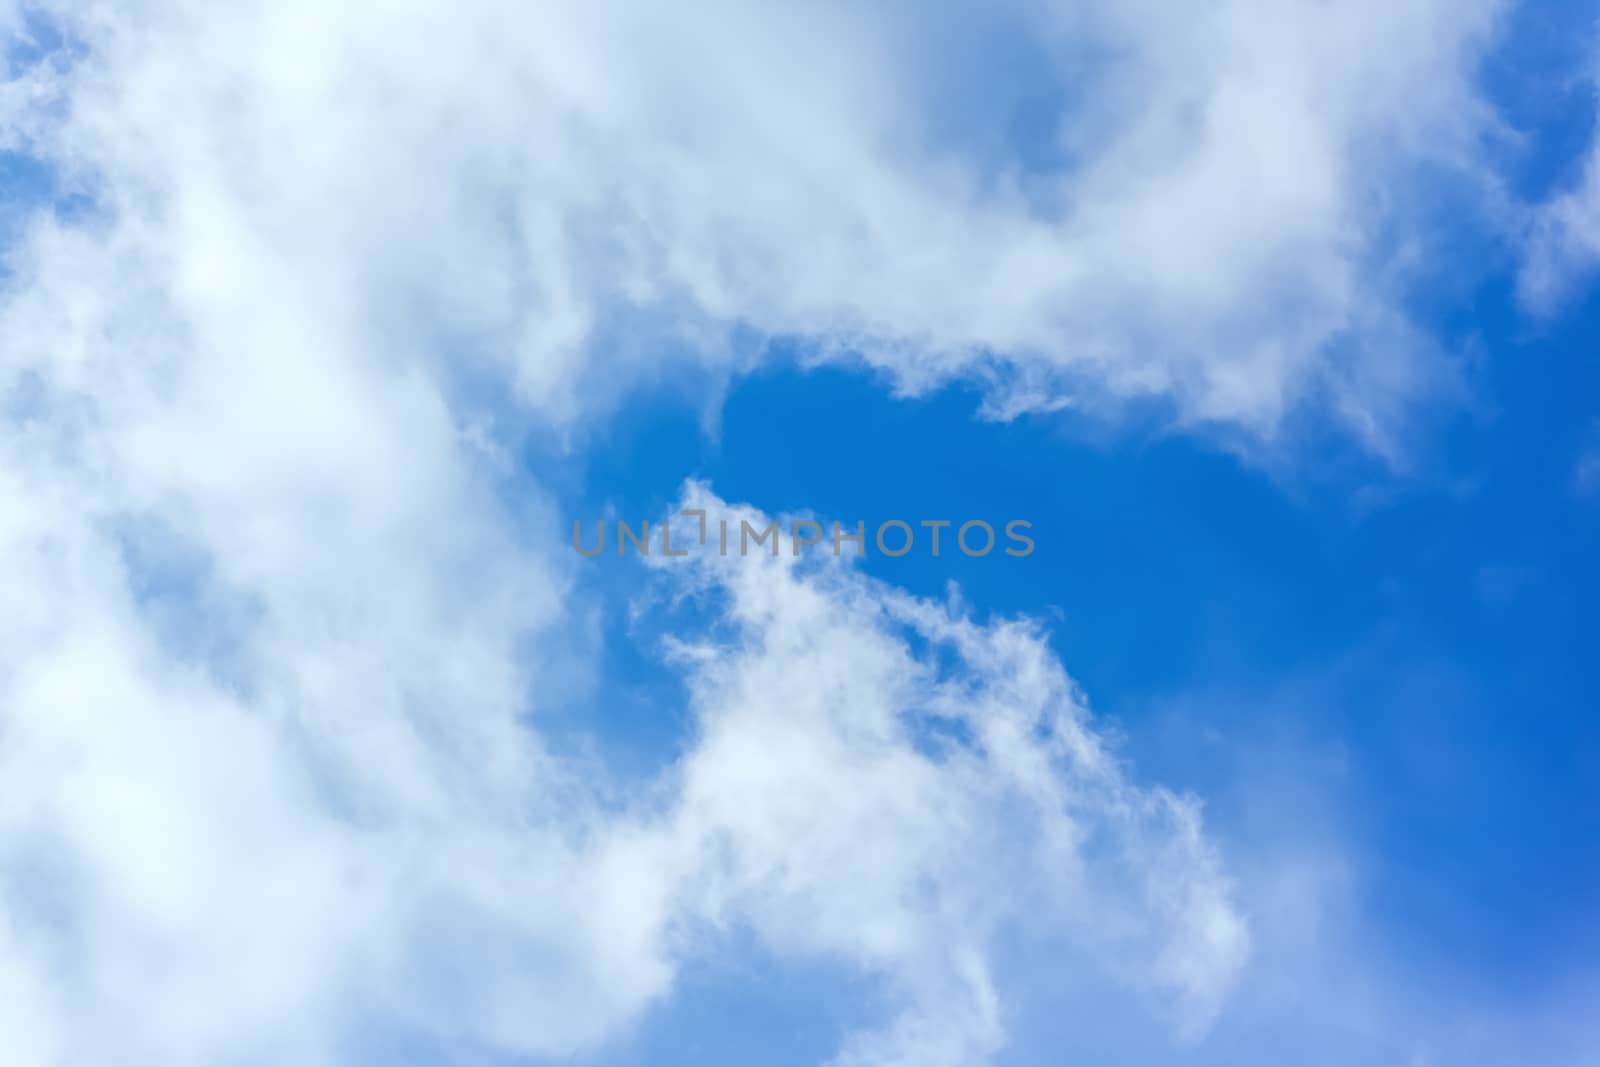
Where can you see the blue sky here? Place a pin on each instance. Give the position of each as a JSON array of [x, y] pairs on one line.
[[1425, 633], [320, 328]]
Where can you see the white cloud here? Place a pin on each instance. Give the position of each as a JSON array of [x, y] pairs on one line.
[[1218, 215], [1564, 239], [823, 816]]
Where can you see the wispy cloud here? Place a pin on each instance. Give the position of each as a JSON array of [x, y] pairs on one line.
[[1564, 238]]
